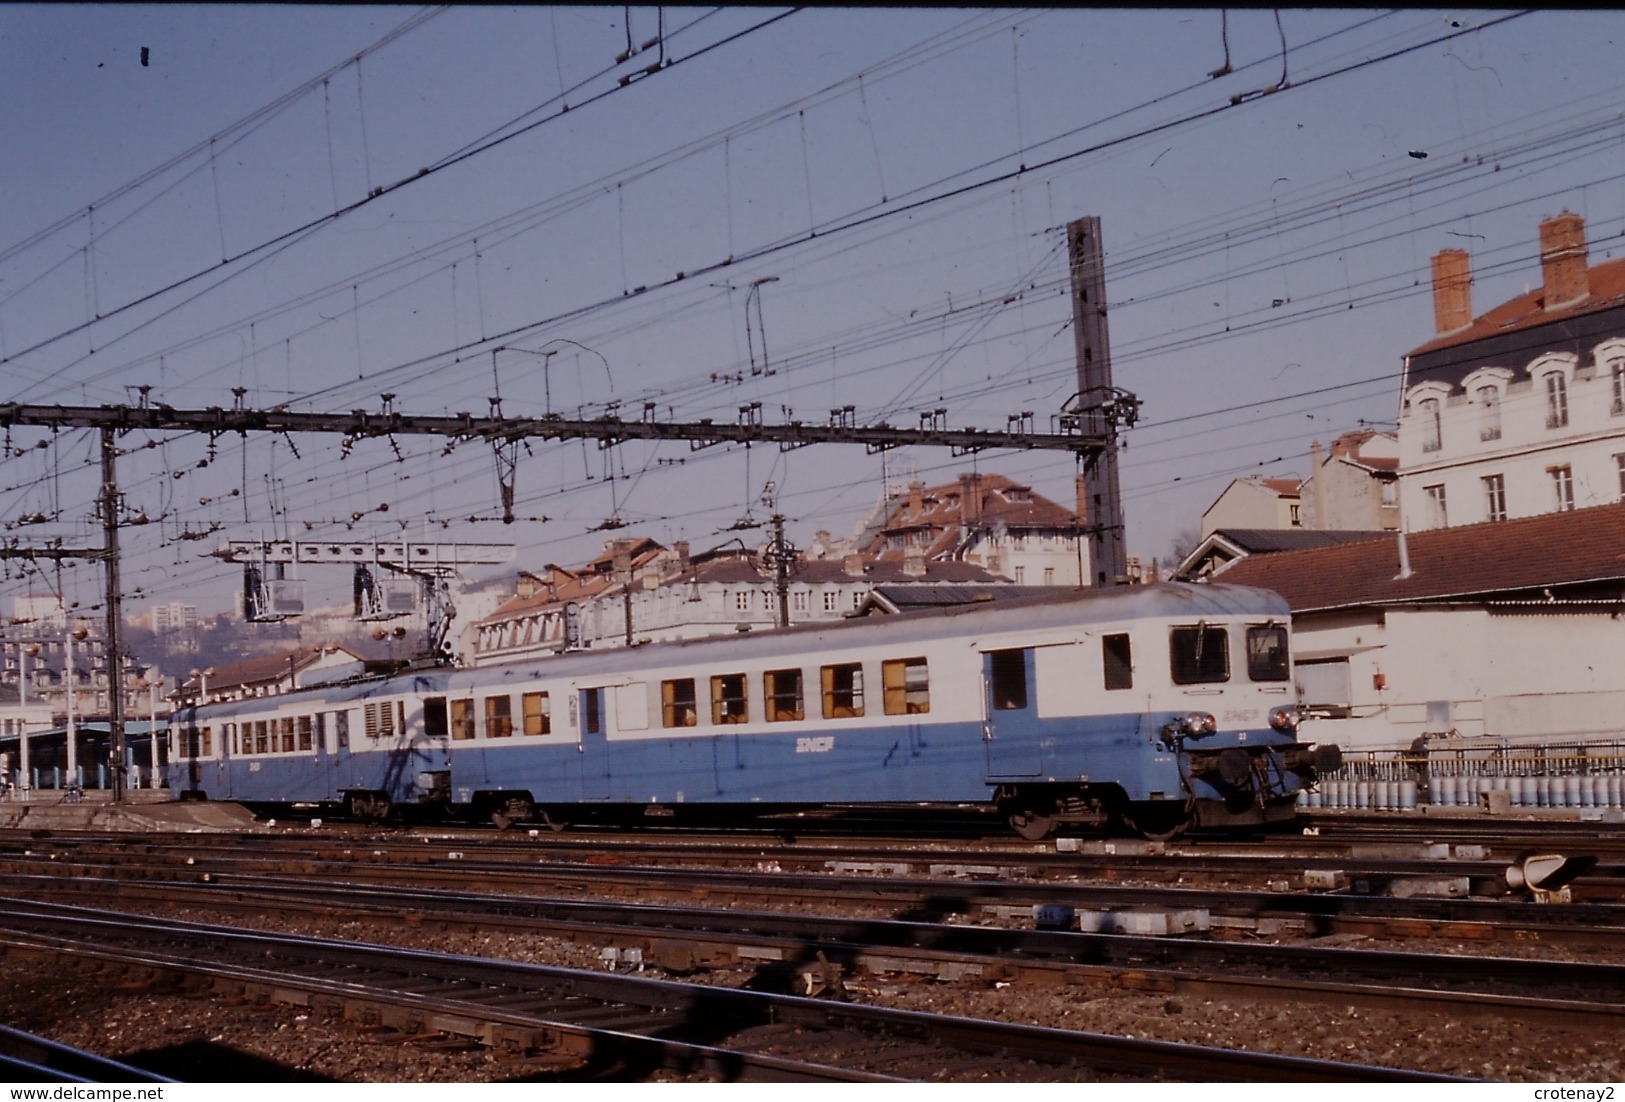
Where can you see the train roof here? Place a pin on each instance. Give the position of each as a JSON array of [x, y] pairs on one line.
[[1042, 611]]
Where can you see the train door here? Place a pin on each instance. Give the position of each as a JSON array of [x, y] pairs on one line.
[[594, 746], [1010, 728], [187, 768]]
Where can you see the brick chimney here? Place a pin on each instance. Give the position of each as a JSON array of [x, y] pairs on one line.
[[1080, 492], [852, 565], [1563, 260], [970, 498], [1452, 291], [914, 562]]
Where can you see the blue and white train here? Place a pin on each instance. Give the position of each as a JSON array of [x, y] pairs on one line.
[[1156, 708]]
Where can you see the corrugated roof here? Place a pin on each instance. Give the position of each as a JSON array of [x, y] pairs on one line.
[[1532, 553]]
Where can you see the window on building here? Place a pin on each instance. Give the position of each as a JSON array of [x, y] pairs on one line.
[[1007, 673], [1021, 575], [830, 599], [538, 713], [1432, 439], [1267, 653], [679, 706], [1199, 655], [1557, 400], [1495, 497], [1489, 413], [498, 716], [782, 689], [462, 719], [742, 600], [1619, 461], [1434, 514], [1118, 660], [1390, 493], [1562, 487], [1616, 371], [1049, 575], [1295, 514], [906, 686], [843, 690], [798, 600], [728, 699]]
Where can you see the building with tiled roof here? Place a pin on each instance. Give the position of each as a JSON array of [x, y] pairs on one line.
[[1353, 484], [1520, 410], [1227, 546], [271, 674], [987, 520], [1510, 629], [1255, 502]]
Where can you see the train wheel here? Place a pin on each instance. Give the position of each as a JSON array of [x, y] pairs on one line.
[[553, 820], [1031, 825], [1158, 821], [517, 809]]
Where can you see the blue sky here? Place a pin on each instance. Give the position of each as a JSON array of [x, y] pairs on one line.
[[896, 182]]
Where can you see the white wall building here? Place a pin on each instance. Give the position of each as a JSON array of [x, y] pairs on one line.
[[1520, 411]]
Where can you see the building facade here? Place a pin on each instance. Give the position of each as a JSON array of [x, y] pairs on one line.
[[1520, 411], [1353, 485], [1256, 502]]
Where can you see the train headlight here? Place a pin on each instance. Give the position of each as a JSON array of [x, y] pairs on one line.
[[1284, 719], [1200, 724]]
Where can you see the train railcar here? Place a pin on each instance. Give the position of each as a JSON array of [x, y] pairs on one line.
[[1156, 707]]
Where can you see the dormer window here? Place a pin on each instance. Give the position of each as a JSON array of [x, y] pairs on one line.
[[1489, 416], [1557, 401], [1432, 439]]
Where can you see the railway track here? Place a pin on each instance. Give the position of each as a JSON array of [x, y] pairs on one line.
[[819, 951], [625, 1025]]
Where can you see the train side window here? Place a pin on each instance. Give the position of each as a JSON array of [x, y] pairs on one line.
[[206, 747], [1199, 655], [1267, 653], [341, 730], [434, 717], [262, 737], [498, 716], [729, 703], [462, 719], [287, 734], [678, 705], [905, 686], [1009, 674], [538, 713], [1118, 659], [843, 690], [782, 689], [303, 727]]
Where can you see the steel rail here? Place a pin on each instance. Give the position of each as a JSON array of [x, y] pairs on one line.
[[46, 926], [672, 937]]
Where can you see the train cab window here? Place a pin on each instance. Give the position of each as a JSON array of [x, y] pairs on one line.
[[728, 699], [843, 690], [462, 719], [498, 716], [435, 723], [1267, 653], [782, 689], [1118, 658], [538, 713], [1199, 655], [905, 686], [1008, 671], [678, 705], [302, 726]]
